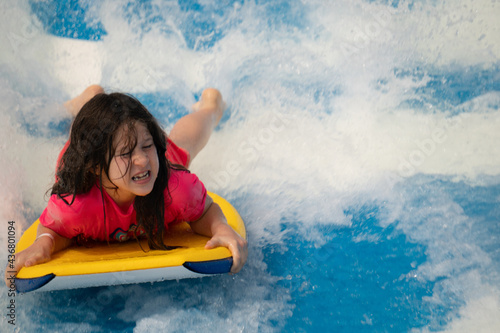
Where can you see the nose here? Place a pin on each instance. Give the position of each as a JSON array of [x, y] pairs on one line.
[[140, 157]]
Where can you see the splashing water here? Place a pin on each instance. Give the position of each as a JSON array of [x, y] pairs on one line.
[[360, 146]]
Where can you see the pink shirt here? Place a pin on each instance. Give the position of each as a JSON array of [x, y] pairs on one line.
[[85, 216]]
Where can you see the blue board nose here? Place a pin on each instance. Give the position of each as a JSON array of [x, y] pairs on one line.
[[210, 267], [26, 285]]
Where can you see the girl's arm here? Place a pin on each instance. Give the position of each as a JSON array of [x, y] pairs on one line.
[[38, 252], [213, 224]]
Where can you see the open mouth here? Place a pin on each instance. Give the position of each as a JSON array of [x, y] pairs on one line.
[[141, 176]]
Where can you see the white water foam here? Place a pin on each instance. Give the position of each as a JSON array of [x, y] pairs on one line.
[[312, 130]]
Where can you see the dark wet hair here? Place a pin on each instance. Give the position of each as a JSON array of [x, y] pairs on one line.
[[91, 151]]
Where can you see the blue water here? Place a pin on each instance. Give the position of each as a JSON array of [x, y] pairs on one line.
[[365, 138]]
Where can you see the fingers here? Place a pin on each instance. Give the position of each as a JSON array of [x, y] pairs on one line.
[[11, 272], [238, 248], [36, 259], [37, 253], [212, 244], [240, 254]]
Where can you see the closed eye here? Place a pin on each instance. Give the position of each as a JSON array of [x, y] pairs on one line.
[[125, 155]]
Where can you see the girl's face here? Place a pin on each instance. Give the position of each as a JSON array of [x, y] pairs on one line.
[[133, 172]]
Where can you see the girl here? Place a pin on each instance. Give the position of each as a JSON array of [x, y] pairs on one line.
[[120, 177]]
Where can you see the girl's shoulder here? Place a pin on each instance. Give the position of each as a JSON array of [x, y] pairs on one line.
[[182, 180], [67, 208], [186, 195], [70, 217]]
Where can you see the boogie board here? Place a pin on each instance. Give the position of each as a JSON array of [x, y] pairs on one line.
[[123, 263]]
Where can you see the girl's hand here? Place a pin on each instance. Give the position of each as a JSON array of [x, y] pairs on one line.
[[39, 252], [213, 224], [227, 237]]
